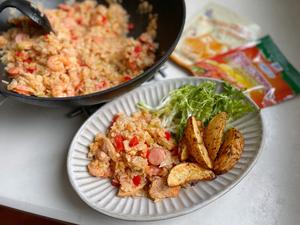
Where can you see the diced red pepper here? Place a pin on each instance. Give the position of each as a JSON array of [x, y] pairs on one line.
[[138, 49], [30, 70], [147, 153], [131, 26], [127, 78], [137, 180], [134, 141], [168, 135], [29, 60], [119, 143]]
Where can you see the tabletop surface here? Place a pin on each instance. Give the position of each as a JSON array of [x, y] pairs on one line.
[[34, 144]]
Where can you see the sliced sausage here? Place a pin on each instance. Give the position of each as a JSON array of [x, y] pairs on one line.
[[156, 156]]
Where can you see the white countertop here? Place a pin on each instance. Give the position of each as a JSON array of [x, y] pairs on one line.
[[34, 143]]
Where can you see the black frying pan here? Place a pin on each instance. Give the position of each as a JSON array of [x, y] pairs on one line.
[[171, 18]]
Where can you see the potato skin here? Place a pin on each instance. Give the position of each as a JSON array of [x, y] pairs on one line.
[[195, 144], [213, 134], [230, 151], [184, 173]]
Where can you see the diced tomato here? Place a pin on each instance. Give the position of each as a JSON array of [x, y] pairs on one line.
[[30, 70], [138, 49], [168, 135], [137, 180], [134, 141], [131, 26], [127, 78], [119, 143]]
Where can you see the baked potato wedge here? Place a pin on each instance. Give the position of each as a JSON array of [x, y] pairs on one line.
[[184, 173], [230, 151], [213, 134], [183, 149], [195, 144]]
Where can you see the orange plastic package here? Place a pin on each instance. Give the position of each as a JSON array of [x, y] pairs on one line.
[[259, 68]]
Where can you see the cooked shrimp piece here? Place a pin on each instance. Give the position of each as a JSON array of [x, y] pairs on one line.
[[99, 169], [159, 189], [58, 63]]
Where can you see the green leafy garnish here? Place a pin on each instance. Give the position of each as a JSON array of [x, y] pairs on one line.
[[201, 101]]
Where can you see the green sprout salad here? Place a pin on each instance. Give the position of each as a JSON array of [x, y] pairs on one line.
[[201, 101]]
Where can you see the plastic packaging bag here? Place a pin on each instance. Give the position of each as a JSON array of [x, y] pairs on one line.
[[259, 68], [214, 30]]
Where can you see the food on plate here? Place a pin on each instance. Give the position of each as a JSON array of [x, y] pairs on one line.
[[230, 152], [185, 173], [183, 149], [195, 144], [160, 189], [136, 154], [90, 51], [213, 134], [202, 101], [144, 156]]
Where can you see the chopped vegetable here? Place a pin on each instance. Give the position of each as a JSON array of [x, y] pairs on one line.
[[134, 141], [119, 143], [136, 180], [168, 135], [201, 101]]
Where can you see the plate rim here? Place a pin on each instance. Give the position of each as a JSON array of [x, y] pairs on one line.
[[186, 210]]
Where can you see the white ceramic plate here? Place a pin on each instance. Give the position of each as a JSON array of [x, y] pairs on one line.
[[101, 195]]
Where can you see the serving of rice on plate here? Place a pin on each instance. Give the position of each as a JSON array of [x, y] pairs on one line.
[[90, 51], [137, 154]]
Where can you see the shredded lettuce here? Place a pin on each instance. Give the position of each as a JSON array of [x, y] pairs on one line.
[[201, 101]]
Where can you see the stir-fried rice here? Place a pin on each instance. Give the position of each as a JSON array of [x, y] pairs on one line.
[[137, 154], [89, 51]]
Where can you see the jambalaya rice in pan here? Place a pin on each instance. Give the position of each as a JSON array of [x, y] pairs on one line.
[[90, 51]]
